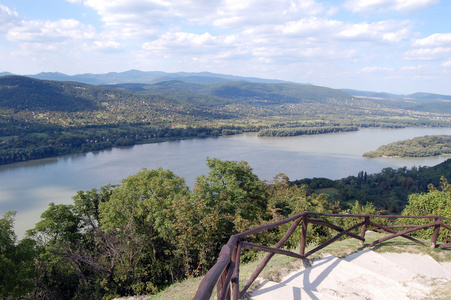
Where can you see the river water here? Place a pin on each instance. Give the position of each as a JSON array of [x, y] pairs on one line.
[[29, 187]]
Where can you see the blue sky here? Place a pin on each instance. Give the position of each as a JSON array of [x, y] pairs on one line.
[[397, 46]]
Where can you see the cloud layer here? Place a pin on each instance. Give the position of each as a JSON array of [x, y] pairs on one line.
[[324, 42]]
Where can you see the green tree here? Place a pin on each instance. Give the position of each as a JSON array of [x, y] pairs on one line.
[[233, 190], [140, 217], [287, 199], [16, 261], [73, 253], [230, 199], [435, 202]]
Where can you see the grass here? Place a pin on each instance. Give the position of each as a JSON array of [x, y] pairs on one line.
[[280, 265]]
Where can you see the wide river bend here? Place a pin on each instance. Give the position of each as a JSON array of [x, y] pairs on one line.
[[29, 187]]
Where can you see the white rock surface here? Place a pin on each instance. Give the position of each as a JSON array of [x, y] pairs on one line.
[[362, 275]]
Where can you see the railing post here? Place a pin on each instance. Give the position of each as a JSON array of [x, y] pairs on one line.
[[236, 272], [265, 261], [221, 283], [304, 234], [362, 232], [305, 261], [222, 293], [435, 234]]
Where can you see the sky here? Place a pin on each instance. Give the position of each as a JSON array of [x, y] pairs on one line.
[[395, 46]]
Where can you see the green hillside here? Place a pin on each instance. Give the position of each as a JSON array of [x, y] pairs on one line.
[[43, 118], [23, 93], [244, 91]]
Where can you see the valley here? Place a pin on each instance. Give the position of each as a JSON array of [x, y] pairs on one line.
[[47, 118]]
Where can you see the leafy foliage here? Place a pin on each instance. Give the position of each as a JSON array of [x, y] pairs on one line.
[[16, 261], [280, 132], [151, 230], [437, 201], [418, 147], [388, 190]]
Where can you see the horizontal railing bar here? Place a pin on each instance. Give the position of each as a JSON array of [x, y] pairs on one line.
[[374, 216], [339, 229], [250, 246], [445, 225], [270, 226], [401, 226], [273, 225], [394, 231], [330, 241], [402, 233]]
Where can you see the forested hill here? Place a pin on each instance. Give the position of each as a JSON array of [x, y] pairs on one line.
[[269, 93], [87, 104], [388, 190], [44, 118], [23, 93], [418, 101]]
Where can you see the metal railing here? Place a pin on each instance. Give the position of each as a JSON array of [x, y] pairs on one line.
[[225, 273]]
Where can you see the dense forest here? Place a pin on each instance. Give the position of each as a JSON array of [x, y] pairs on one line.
[[283, 132], [42, 118], [151, 230], [388, 190], [417, 147]]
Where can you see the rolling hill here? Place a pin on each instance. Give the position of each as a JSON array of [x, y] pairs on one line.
[[36, 115]]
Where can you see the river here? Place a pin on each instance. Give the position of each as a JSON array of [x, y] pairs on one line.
[[29, 187]]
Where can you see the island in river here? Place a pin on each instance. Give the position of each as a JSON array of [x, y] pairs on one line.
[[424, 146]]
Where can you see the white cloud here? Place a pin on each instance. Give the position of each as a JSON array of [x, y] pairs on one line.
[[436, 46], [50, 31], [383, 31], [428, 53], [131, 19], [310, 26], [414, 68], [108, 46], [447, 64], [189, 43], [235, 13], [376, 69], [380, 6], [7, 18], [434, 40], [224, 14]]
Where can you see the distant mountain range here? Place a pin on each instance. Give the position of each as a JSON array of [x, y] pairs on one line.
[[135, 76], [153, 77], [415, 96]]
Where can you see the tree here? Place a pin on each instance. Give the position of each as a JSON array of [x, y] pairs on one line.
[[139, 217], [235, 192], [72, 251], [16, 261], [287, 199], [228, 200], [434, 202]]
